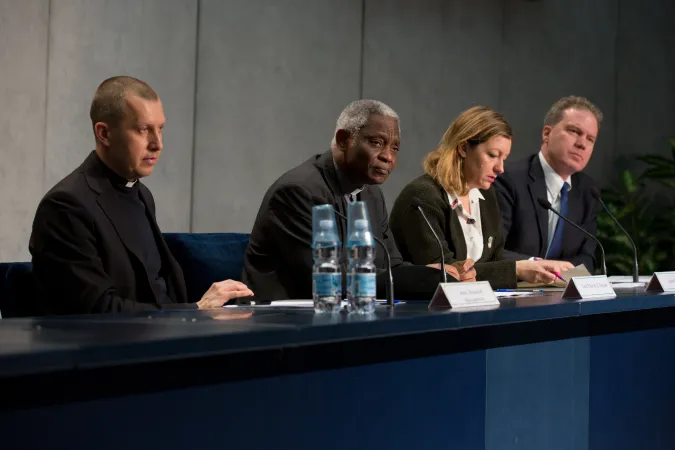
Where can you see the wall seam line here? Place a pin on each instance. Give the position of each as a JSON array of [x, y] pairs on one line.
[[194, 121], [44, 132]]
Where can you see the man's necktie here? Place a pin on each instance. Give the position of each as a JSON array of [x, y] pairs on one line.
[[555, 250]]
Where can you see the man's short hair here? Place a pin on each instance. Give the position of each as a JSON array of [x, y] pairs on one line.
[[108, 105], [356, 115], [555, 114]]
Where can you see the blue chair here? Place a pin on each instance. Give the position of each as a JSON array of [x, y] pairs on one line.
[[17, 289], [207, 257], [204, 257]]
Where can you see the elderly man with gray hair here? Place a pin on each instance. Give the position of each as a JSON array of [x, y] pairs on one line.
[[278, 261]]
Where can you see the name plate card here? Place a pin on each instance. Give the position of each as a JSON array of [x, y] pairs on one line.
[[464, 295], [588, 287], [662, 282]]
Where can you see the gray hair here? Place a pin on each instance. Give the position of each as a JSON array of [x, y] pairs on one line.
[[356, 115]]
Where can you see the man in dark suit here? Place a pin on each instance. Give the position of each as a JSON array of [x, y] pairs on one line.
[[278, 261], [95, 243], [554, 174]]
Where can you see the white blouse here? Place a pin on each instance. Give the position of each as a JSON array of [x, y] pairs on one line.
[[471, 225]]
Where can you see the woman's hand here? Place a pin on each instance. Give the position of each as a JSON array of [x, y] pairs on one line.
[[534, 272]]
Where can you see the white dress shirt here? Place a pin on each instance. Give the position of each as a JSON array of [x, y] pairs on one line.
[[471, 225], [554, 184]]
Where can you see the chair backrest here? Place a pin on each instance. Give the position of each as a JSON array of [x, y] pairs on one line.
[[207, 257], [204, 257], [17, 290]]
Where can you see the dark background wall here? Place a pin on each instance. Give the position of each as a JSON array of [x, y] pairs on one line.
[[253, 87]]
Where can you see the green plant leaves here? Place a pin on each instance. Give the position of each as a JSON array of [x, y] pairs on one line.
[[658, 161], [651, 225], [629, 181]]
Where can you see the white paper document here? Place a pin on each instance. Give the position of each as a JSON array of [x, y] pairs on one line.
[[304, 303], [628, 278], [294, 303], [499, 294], [622, 285]]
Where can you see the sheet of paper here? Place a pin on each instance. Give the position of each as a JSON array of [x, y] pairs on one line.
[[578, 271], [626, 285], [293, 303], [310, 303], [279, 303], [514, 293], [628, 278]]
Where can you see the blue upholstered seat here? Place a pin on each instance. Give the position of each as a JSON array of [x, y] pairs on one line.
[[17, 289], [207, 257]]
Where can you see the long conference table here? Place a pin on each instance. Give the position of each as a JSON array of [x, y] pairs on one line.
[[539, 372]]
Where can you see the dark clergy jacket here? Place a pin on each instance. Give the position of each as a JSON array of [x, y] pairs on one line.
[[81, 253], [278, 261], [418, 245], [525, 222]]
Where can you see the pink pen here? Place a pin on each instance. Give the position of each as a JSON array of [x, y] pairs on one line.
[[558, 275]]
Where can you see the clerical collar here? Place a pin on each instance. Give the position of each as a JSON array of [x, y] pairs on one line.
[[118, 182], [346, 186]]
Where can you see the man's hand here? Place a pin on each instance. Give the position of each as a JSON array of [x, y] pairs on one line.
[[555, 266], [466, 270], [228, 314], [221, 292]]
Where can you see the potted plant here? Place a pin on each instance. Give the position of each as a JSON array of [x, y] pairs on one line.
[[647, 214]]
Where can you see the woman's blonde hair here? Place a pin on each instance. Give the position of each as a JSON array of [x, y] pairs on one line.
[[472, 127]]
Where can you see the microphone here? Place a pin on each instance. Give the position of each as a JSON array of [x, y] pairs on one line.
[[418, 204], [636, 274], [390, 277], [547, 205]]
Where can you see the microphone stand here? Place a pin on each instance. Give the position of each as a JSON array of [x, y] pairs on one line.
[[636, 271], [546, 205]]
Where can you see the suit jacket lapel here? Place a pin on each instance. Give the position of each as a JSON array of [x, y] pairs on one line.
[[176, 283], [113, 207], [488, 220], [109, 201], [537, 189], [457, 234], [457, 242], [327, 168]]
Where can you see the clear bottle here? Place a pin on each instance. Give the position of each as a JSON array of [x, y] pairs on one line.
[[326, 272], [361, 272]]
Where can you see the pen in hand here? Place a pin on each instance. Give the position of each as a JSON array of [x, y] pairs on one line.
[[467, 270], [559, 276]]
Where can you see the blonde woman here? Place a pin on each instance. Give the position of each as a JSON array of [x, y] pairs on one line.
[[457, 195]]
